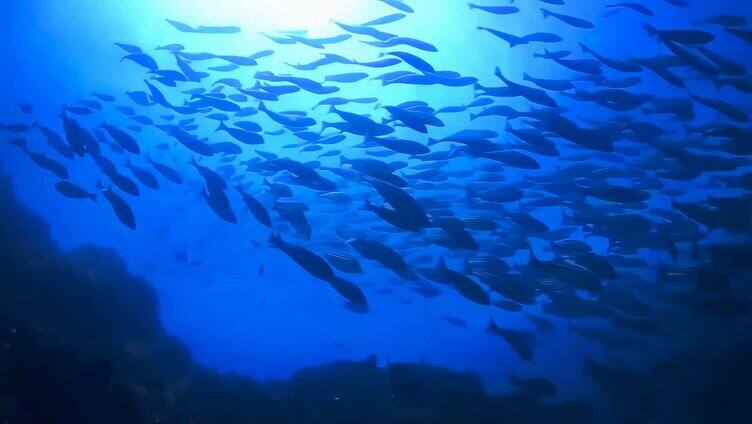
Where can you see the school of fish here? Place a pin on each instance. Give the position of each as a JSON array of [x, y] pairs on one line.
[[401, 188]]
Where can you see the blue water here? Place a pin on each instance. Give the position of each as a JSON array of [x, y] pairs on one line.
[[268, 326]]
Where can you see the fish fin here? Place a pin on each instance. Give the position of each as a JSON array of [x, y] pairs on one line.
[[441, 264], [650, 29], [533, 258], [20, 143], [491, 325], [469, 192], [661, 272], [499, 75]]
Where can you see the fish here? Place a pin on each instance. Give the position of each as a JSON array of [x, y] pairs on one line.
[[381, 253], [533, 386], [122, 138], [119, 206], [468, 288], [637, 7], [241, 135], [680, 36], [406, 41], [166, 171], [457, 322], [398, 4], [52, 165], [319, 268], [146, 178], [534, 95], [570, 20], [572, 274], [219, 202], [255, 207], [74, 191], [496, 10], [55, 141], [79, 138], [517, 340], [183, 27], [388, 19], [344, 262], [349, 77]]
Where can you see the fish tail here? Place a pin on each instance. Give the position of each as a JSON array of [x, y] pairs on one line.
[[275, 240], [20, 143], [491, 325], [501, 76], [546, 13], [466, 268], [469, 192], [651, 30], [441, 264], [472, 117], [661, 273], [526, 77], [471, 6], [533, 259]]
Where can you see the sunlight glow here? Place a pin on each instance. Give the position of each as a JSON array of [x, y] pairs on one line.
[[277, 15], [311, 14]]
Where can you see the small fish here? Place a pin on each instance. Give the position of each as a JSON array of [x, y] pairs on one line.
[[122, 210], [517, 340], [570, 20], [74, 191]]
